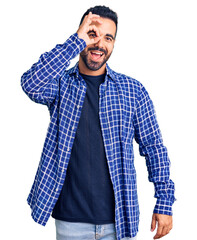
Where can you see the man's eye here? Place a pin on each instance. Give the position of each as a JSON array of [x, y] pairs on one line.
[[109, 39], [92, 35]]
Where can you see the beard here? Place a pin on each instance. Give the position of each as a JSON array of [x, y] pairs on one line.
[[93, 65]]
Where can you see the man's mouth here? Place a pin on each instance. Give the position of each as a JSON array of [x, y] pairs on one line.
[[96, 55]]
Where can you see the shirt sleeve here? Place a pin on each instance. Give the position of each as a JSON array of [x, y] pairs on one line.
[[40, 82], [149, 138]]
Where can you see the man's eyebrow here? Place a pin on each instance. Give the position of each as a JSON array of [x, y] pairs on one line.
[[110, 35]]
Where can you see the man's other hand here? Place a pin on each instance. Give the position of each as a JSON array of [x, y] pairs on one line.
[[164, 223]]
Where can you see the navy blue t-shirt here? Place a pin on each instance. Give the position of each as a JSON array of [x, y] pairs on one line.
[[87, 194]]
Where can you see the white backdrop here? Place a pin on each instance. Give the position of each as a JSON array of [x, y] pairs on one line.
[[156, 44]]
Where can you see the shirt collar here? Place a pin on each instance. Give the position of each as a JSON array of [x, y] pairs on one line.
[[109, 71]]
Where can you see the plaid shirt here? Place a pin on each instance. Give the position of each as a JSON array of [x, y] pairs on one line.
[[126, 112]]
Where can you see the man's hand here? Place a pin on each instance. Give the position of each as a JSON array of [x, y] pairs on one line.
[[164, 225], [86, 27]]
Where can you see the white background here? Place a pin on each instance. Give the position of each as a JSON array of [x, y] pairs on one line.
[[156, 44]]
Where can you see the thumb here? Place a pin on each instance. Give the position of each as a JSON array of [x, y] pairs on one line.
[[153, 224]]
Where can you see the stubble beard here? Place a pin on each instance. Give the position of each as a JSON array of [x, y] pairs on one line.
[[92, 65]]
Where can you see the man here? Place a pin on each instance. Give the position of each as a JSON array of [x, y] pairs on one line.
[[86, 177]]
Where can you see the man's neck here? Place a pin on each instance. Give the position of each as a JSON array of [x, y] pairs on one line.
[[84, 70]]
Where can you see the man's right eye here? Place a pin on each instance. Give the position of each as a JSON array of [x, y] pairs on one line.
[[92, 35]]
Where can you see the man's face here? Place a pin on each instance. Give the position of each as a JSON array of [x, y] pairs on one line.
[[96, 55]]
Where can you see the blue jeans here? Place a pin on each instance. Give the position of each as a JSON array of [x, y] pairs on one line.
[[85, 231]]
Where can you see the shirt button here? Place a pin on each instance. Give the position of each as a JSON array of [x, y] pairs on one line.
[[73, 128], [56, 189], [68, 149], [78, 106]]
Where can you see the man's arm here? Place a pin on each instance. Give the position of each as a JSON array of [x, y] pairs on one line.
[[40, 82], [149, 138]]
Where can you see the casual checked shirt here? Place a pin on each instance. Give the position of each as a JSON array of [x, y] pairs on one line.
[[126, 112]]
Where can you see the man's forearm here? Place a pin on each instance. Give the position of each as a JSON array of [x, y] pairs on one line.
[[40, 81]]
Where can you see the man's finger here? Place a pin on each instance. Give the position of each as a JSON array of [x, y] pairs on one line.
[[94, 18], [97, 36], [164, 232], [91, 15], [159, 232], [153, 224], [91, 20], [94, 29]]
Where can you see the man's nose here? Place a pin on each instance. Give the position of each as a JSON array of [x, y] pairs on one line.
[[99, 43]]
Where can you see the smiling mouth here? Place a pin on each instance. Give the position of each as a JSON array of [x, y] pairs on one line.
[[96, 55]]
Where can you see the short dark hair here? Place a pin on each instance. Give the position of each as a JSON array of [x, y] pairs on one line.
[[104, 12]]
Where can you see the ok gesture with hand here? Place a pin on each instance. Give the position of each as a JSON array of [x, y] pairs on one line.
[[87, 27]]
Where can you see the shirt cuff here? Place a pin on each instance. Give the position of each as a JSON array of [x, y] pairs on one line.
[[73, 46], [80, 43], [163, 206]]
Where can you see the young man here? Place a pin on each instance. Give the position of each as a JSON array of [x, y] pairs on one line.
[[86, 177]]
